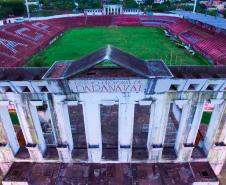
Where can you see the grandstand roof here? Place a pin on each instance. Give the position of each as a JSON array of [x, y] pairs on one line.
[[147, 69], [207, 19], [36, 73], [22, 73], [198, 71]]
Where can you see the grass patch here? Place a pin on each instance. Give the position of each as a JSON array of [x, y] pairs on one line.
[[206, 117], [14, 118], [144, 42]]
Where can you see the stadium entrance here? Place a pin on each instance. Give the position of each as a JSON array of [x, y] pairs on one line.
[[112, 9]]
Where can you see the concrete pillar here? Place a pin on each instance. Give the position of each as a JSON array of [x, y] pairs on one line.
[[5, 166], [35, 153], [182, 150], [214, 145], [209, 140], [28, 128], [91, 112], [25, 122], [222, 135], [192, 133], [157, 128], [217, 157], [8, 127], [63, 122], [53, 118], [6, 153], [34, 114], [126, 121], [64, 153]]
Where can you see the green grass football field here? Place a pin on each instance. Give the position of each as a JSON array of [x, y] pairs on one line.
[[143, 42]]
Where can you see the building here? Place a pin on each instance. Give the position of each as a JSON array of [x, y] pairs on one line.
[[159, 1], [112, 9], [140, 115]]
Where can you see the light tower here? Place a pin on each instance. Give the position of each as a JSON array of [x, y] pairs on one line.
[[27, 7], [195, 4]]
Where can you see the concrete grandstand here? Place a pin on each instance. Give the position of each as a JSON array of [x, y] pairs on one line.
[[20, 41]]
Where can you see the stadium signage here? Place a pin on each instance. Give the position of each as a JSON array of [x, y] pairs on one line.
[[108, 86]]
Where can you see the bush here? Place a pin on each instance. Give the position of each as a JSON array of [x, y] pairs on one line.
[[212, 12]]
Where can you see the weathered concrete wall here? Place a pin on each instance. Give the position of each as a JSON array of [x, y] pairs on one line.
[[189, 95]]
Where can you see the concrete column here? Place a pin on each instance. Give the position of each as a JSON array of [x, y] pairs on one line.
[[53, 118], [157, 128], [8, 127], [126, 121], [64, 153], [217, 153], [222, 132], [63, 122], [209, 140], [35, 153], [217, 157], [183, 151], [34, 114], [5, 166], [25, 122], [192, 133], [28, 129], [91, 112]]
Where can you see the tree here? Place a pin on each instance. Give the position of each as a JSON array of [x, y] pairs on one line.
[[7, 8], [130, 4], [149, 2], [166, 6], [201, 8], [224, 13]]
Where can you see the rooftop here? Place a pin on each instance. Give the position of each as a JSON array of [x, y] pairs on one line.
[[120, 173], [207, 19], [146, 69]]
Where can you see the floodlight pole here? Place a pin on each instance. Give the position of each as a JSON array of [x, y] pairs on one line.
[[28, 11], [194, 8]]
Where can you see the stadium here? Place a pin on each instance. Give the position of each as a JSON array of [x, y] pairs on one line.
[[112, 99], [204, 44]]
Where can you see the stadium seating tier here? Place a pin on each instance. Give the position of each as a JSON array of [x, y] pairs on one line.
[[20, 41]]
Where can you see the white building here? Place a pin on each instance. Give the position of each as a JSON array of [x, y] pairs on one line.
[[136, 111]]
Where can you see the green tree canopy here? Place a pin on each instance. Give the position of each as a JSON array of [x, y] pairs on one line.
[[130, 4], [11, 7]]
